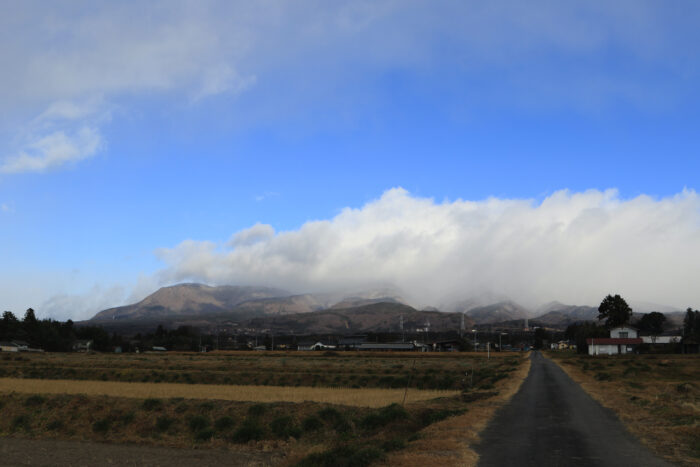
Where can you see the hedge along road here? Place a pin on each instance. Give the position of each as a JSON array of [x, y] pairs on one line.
[[551, 421]]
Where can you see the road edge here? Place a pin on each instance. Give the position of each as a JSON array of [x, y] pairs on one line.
[[594, 391], [451, 442]]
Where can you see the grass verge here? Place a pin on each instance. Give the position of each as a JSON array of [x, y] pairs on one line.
[[657, 397]]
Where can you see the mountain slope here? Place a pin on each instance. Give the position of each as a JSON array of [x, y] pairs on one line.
[[375, 317], [558, 315], [498, 312], [187, 299], [283, 305]]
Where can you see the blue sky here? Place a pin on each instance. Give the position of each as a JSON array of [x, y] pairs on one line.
[[129, 129]]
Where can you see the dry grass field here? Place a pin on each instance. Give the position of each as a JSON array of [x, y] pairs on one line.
[[656, 396], [369, 397], [348, 412], [344, 369]]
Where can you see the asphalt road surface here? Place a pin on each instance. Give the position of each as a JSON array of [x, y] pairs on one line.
[[551, 421]]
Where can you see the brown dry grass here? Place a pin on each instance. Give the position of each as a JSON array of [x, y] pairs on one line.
[[369, 397], [657, 397], [449, 442], [433, 370]]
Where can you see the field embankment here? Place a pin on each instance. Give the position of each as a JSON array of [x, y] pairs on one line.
[[657, 397]]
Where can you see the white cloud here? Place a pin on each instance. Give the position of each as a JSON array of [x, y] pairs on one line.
[[257, 233], [81, 306], [7, 208], [301, 55], [573, 247], [221, 79], [266, 195], [54, 150]]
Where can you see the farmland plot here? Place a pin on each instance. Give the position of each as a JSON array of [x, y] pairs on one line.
[[312, 409]]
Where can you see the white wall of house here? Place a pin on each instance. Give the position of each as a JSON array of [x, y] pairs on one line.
[[608, 349], [623, 332], [661, 339]]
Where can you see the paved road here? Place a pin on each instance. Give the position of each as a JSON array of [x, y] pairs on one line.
[[53, 453], [551, 421]]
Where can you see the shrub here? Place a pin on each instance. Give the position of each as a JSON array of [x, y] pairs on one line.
[[311, 423], [223, 423], [384, 416], [34, 400], [54, 425], [284, 427], [20, 422], [393, 445], [248, 431], [257, 410], [101, 426], [199, 423], [152, 404], [127, 418], [345, 456], [602, 376], [204, 435], [206, 406], [163, 423]]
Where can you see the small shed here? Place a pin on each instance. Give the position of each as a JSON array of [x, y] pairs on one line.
[[83, 345], [317, 345], [8, 347]]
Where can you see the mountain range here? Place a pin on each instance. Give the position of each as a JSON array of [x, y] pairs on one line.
[[379, 310]]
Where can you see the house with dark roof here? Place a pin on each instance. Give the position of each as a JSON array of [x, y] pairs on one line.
[[622, 340], [351, 342]]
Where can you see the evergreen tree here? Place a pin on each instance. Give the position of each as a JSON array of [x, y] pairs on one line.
[[615, 311]]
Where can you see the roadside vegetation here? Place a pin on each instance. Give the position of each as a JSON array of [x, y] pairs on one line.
[[656, 396]]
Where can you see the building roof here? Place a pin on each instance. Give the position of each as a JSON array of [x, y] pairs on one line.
[[356, 340], [387, 347], [614, 340]]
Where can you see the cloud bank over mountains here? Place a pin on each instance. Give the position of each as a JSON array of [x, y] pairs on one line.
[[571, 247]]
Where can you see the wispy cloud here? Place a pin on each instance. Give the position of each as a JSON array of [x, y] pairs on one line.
[[574, 247], [54, 150], [304, 55], [265, 195]]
